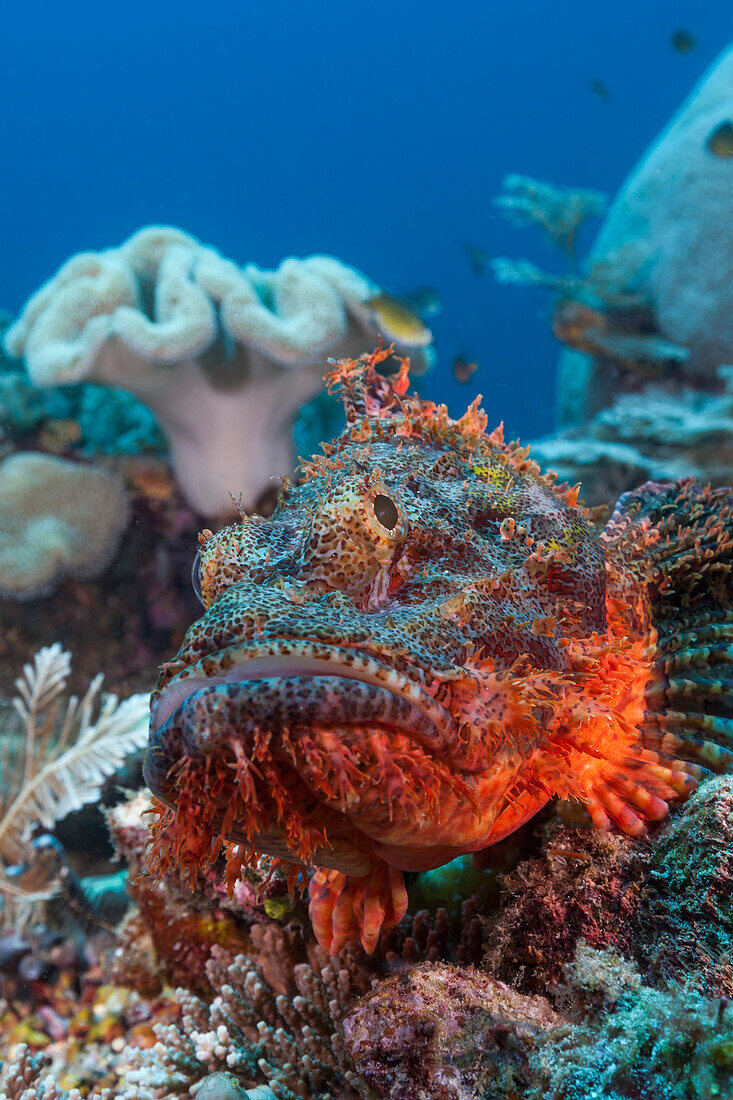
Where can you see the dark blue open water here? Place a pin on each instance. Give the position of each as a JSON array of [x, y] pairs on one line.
[[377, 132]]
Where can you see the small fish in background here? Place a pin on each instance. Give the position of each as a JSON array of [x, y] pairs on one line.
[[463, 368], [683, 42], [477, 257], [599, 89], [720, 142], [396, 321], [425, 300]]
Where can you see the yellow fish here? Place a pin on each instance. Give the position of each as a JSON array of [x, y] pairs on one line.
[[720, 142], [395, 321]]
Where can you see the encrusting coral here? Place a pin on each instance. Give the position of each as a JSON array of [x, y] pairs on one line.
[[626, 1040], [440, 1033], [437, 1033], [223, 356], [684, 927], [57, 518], [582, 885], [663, 901]]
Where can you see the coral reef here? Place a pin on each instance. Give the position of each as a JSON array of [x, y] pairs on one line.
[[605, 967], [437, 1033], [25, 1080], [97, 420], [582, 885], [168, 937], [662, 901], [56, 751], [224, 357], [127, 619], [654, 434], [57, 518], [283, 1013], [644, 388], [628, 1040]]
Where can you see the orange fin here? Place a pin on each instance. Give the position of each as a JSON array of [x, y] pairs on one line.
[[679, 537], [344, 909], [647, 719]]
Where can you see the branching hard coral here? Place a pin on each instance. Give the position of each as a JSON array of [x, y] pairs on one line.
[[64, 751], [422, 937], [57, 518], [248, 1030], [558, 212], [435, 937], [223, 356], [25, 1078]]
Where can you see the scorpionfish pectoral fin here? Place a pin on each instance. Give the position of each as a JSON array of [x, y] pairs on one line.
[[669, 550], [343, 908], [595, 751], [651, 713]]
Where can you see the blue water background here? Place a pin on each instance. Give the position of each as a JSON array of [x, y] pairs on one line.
[[377, 132]]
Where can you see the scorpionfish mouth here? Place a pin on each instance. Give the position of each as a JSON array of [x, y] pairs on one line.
[[303, 749]]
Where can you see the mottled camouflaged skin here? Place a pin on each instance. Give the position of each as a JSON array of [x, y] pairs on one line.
[[426, 596], [404, 662]]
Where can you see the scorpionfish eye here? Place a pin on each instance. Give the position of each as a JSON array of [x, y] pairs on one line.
[[385, 513]]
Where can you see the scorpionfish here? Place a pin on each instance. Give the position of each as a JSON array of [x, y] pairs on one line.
[[427, 641]]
